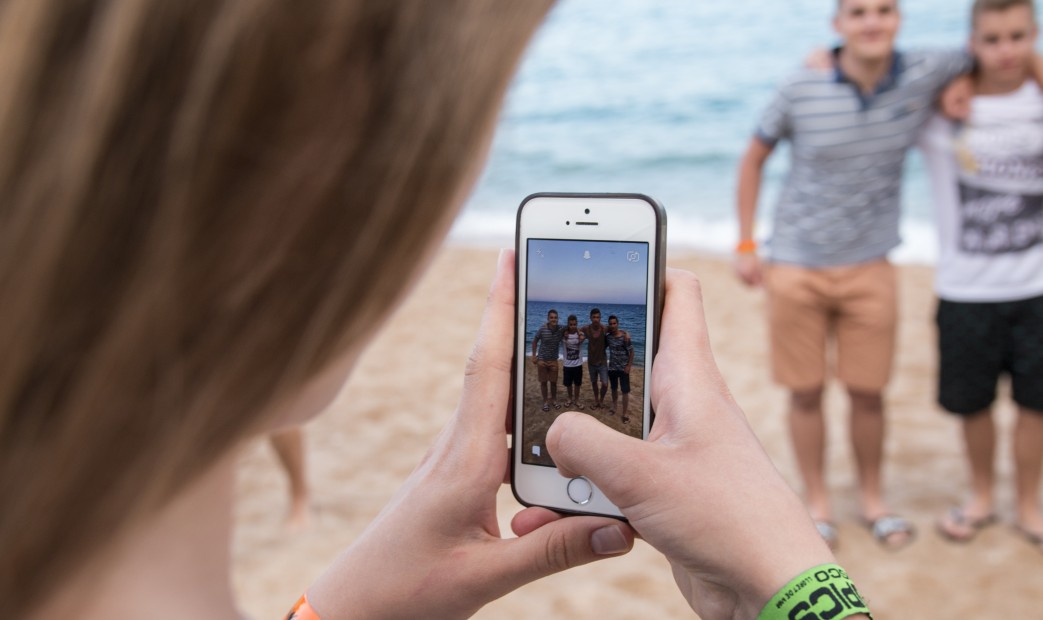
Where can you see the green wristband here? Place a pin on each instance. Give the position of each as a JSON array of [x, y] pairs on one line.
[[821, 593]]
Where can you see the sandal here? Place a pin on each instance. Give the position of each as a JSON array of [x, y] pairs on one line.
[[557, 406], [1034, 539], [829, 533], [885, 527], [546, 407], [957, 527], [625, 419], [579, 406]]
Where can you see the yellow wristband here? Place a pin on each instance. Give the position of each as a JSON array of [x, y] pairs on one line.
[[302, 610], [746, 246], [821, 592]]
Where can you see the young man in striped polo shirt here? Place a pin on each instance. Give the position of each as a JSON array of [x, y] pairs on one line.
[[827, 275], [546, 346]]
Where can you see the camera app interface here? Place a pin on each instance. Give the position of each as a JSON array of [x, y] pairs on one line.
[[585, 310]]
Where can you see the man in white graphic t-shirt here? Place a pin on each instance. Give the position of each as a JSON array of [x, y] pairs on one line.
[[987, 181], [572, 365]]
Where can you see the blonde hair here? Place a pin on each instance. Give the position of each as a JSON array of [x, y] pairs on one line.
[[199, 201]]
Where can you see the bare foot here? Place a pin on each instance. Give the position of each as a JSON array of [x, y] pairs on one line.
[[1030, 526], [891, 531], [962, 524]]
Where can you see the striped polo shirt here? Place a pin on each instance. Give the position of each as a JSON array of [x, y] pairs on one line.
[[841, 199]]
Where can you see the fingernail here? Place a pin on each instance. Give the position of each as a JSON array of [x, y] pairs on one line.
[[608, 540]]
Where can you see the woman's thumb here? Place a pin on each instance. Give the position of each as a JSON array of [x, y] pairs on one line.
[[582, 446]]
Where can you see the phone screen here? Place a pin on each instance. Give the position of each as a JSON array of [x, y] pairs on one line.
[[586, 310]]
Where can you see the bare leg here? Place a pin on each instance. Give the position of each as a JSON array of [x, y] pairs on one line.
[[289, 447], [808, 434], [604, 390], [554, 392], [1028, 460], [979, 436], [543, 390], [979, 440], [626, 405], [867, 437]]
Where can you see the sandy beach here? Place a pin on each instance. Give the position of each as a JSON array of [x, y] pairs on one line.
[[538, 421], [406, 387]]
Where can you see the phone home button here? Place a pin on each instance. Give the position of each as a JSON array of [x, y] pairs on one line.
[[579, 490]]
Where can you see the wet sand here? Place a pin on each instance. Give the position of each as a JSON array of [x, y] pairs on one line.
[[406, 387]]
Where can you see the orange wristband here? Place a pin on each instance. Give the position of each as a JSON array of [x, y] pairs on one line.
[[302, 610], [746, 246]]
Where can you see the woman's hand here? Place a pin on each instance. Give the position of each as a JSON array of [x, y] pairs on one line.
[[701, 490], [435, 551]]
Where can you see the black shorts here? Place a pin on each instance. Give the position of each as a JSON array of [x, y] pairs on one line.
[[620, 378], [573, 375], [979, 341]]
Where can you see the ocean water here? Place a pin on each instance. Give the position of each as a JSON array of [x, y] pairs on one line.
[[631, 318], [661, 97]]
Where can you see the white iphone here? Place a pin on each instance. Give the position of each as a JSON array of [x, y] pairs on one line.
[[589, 300]]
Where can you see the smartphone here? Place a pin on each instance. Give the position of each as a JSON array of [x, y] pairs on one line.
[[589, 301]]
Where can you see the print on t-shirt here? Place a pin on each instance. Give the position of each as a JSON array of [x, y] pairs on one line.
[[1001, 203], [999, 223]]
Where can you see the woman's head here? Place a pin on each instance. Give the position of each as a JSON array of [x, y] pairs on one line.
[[203, 203]]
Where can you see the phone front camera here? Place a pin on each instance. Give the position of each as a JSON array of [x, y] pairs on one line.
[[567, 222], [587, 211]]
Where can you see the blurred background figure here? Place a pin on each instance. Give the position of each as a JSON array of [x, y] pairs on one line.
[[830, 285], [289, 448], [987, 180]]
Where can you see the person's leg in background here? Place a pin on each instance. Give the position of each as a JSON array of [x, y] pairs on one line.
[[289, 447]]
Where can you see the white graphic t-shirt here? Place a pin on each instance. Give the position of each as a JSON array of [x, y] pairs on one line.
[[987, 183], [572, 356]]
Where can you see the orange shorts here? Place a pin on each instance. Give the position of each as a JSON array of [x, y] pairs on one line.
[[548, 371], [853, 305]]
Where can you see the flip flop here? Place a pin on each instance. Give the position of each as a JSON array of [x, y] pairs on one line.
[[546, 407], [886, 526], [1034, 539], [828, 531], [957, 519], [625, 419]]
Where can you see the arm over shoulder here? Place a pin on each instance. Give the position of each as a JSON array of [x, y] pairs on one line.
[[944, 64]]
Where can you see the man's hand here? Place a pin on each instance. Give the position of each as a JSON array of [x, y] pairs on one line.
[[748, 268], [955, 100]]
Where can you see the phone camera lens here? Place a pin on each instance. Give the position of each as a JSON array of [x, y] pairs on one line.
[[587, 211], [567, 222]]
